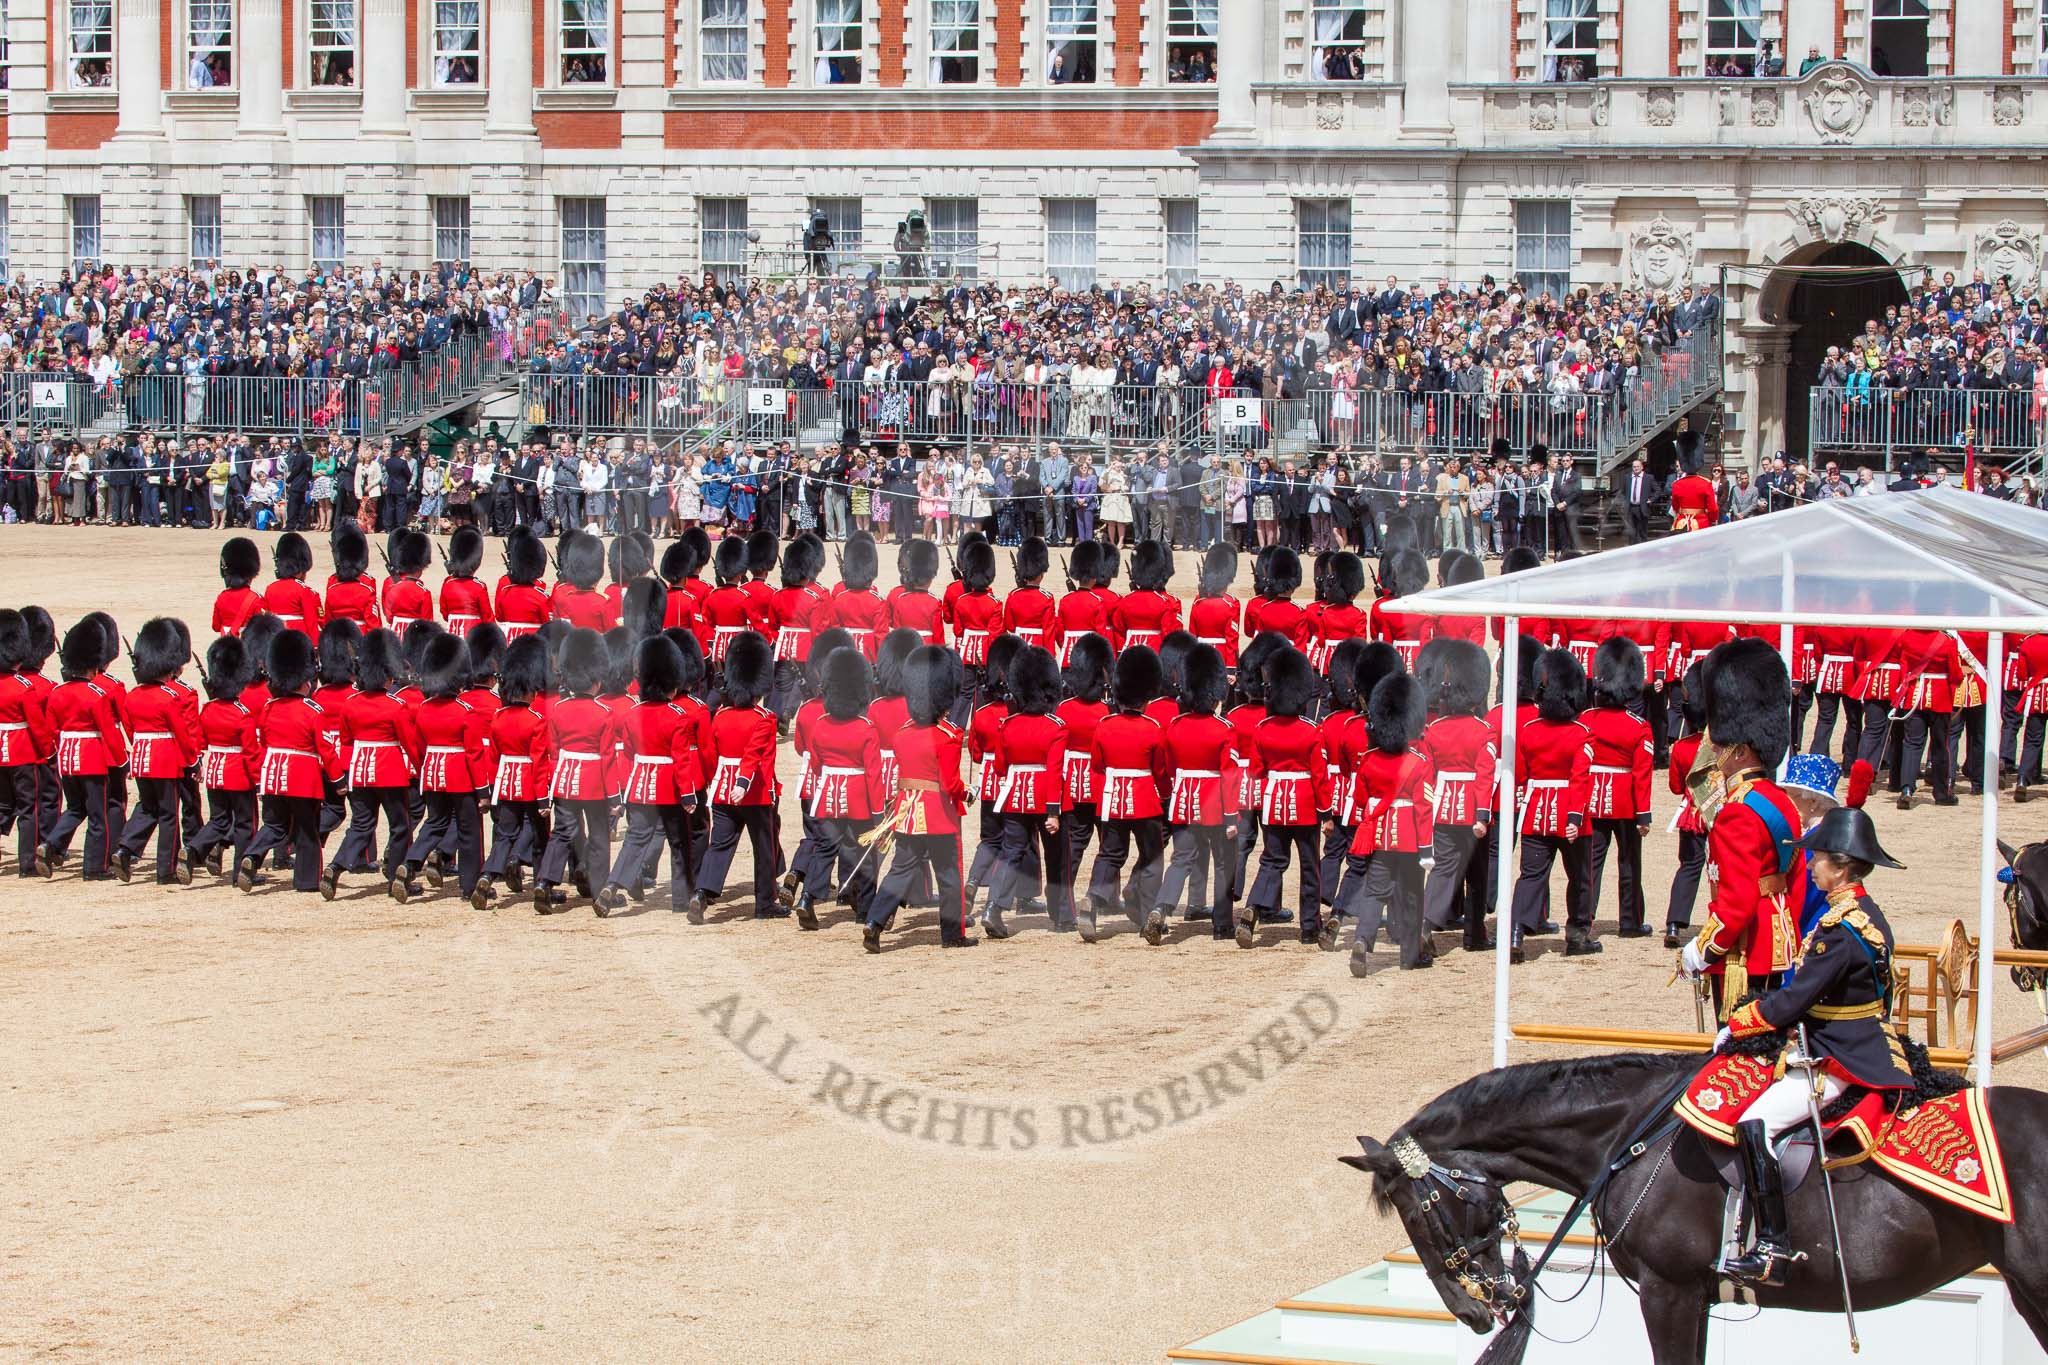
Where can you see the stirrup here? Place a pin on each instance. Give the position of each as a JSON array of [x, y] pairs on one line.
[[1763, 1265]]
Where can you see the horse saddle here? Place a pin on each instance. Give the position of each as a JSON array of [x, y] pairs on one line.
[[1848, 1142]]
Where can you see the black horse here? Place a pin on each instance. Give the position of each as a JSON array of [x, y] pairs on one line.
[[2026, 905], [1561, 1125]]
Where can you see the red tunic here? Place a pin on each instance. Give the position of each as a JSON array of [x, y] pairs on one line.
[[523, 608], [849, 767], [381, 740], [863, 615], [1930, 670], [1461, 751], [1029, 757], [1337, 623], [520, 738], [2032, 657], [581, 607], [743, 745], [1032, 616], [291, 748], [224, 730], [934, 796], [27, 735], [1294, 772], [1584, 638], [465, 603], [1406, 631], [1213, 621], [1692, 641], [1683, 751], [1082, 613], [1553, 776], [582, 734], [163, 726], [665, 739], [728, 613], [1623, 759], [1277, 614], [915, 609], [981, 738], [1344, 742], [1694, 506], [977, 619], [1081, 719], [297, 605], [807, 715], [406, 601], [950, 600], [233, 607], [1201, 752], [1756, 903], [1145, 618], [455, 746], [1397, 807], [679, 610], [1129, 756], [1244, 720], [354, 600], [889, 715], [90, 740], [793, 618]]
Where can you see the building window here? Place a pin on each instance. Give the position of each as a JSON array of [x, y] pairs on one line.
[[1571, 40], [1070, 242], [956, 237], [1734, 29], [3, 44], [209, 44], [91, 36], [202, 221], [1322, 251], [451, 229], [1543, 246], [85, 232], [1338, 50], [1070, 42], [458, 41], [722, 243], [3, 239], [842, 220], [332, 45], [1191, 41], [1898, 37], [583, 257], [722, 39], [956, 42], [835, 42], [1183, 242], [586, 42], [327, 213]]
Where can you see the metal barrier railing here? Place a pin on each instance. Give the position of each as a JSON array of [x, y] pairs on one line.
[[2004, 422]]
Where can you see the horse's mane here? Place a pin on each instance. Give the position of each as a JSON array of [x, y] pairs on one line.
[[1514, 1090]]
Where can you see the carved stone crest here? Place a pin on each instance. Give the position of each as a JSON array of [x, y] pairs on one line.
[[1329, 112], [1660, 107], [1916, 107], [1838, 104], [2008, 106], [1661, 254], [1834, 216], [1726, 105], [2007, 251], [1543, 113], [1763, 108]]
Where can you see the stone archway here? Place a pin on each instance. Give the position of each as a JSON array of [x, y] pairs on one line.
[[1818, 295]]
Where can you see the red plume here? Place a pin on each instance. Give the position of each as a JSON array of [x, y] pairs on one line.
[[1861, 775]]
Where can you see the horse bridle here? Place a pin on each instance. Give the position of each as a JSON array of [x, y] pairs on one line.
[[1500, 1294], [2026, 978]]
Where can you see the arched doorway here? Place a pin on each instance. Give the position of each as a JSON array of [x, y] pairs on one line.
[[1825, 299]]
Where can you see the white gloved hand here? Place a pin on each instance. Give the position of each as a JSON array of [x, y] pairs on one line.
[[1428, 863], [1723, 1038], [1692, 960]]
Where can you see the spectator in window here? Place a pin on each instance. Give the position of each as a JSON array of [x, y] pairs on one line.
[[1200, 68], [1056, 69], [1813, 59]]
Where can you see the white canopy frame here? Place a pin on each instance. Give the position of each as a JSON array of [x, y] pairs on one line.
[[1938, 559]]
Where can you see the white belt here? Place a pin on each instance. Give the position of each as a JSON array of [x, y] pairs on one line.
[[1112, 774], [516, 758], [888, 755], [1208, 639], [296, 753], [1837, 658], [78, 734], [822, 772], [446, 749], [153, 735], [1457, 777], [1180, 773], [223, 748], [1302, 777], [578, 756], [1403, 804], [731, 630], [9, 727], [1601, 768], [1544, 783], [1584, 644], [376, 743], [662, 759], [289, 620]]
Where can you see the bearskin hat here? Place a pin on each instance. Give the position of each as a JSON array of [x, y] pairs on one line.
[[630, 556], [1400, 535], [917, 563], [761, 551], [1204, 680], [1084, 566], [83, 645], [1219, 569], [42, 633], [1277, 573], [1343, 674], [1460, 566], [293, 557], [1088, 667], [1033, 681], [1290, 683], [692, 650], [582, 661], [620, 656], [896, 646], [730, 562], [444, 671], [227, 669], [1561, 686], [859, 563], [525, 674], [1032, 561], [240, 562], [1692, 700], [848, 684], [1347, 577], [380, 663], [1319, 575], [1112, 559], [696, 542], [582, 560], [1394, 713], [334, 657], [1252, 661], [289, 664], [486, 641], [673, 560], [977, 565], [1173, 653], [14, 646], [658, 665], [160, 650], [1002, 651], [411, 552], [351, 552], [1499, 449], [1528, 650], [1151, 566], [1376, 661], [749, 670], [643, 606], [1519, 559], [1749, 699], [967, 538], [1407, 573], [1618, 672], [465, 552], [526, 558], [257, 633], [1461, 683], [931, 683], [113, 636], [1138, 677], [822, 645], [414, 642]]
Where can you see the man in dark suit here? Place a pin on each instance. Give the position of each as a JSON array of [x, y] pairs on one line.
[[1564, 506], [298, 483], [1639, 491], [1688, 442]]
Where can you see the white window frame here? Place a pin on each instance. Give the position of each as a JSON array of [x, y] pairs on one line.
[[4, 78], [5, 244], [1183, 30], [601, 49], [1071, 22], [1183, 241], [451, 229], [1537, 276], [841, 33], [222, 46], [203, 228], [1575, 19], [1316, 225], [1075, 269], [333, 232], [436, 54], [846, 247], [950, 22], [332, 48], [723, 11], [1720, 19], [1878, 15], [956, 249], [85, 226], [584, 243], [93, 42], [725, 234], [1333, 24]]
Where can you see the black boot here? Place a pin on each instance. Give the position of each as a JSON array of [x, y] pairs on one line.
[[1765, 1262]]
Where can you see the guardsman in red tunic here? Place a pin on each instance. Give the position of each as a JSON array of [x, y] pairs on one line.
[[1622, 765], [1148, 614], [351, 588], [380, 739], [762, 550], [1583, 636], [2032, 720], [1201, 799], [1407, 632], [1692, 830], [1029, 612], [1692, 641], [1132, 781], [699, 543], [522, 742], [729, 610], [1081, 611], [406, 599], [288, 598], [582, 734], [1553, 784], [1694, 506], [224, 725], [797, 611], [1028, 756], [990, 703], [629, 560], [744, 793], [91, 748], [1396, 828], [240, 562], [816, 843], [857, 608], [163, 727], [455, 760], [1244, 718], [522, 605], [28, 739], [667, 734], [1108, 596], [576, 598], [1460, 567], [1344, 744], [926, 816], [911, 603], [1340, 618], [1087, 678], [951, 597], [465, 603], [1460, 749], [1276, 573], [334, 673], [847, 795], [1876, 684], [976, 613], [1931, 674], [1296, 795], [292, 751], [678, 569], [1757, 870], [890, 711], [1213, 618]]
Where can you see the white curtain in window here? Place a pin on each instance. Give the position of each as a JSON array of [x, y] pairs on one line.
[[1203, 12], [835, 17], [955, 32], [724, 34], [210, 20], [456, 23], [1066, 23], [338, 20], [92, 34], [1560, 31], [1329, 29], [593, 17]]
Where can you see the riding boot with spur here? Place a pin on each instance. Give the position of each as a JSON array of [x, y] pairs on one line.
[[1765, 1262]]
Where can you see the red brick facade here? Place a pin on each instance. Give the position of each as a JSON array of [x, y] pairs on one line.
[[775, 43], [1047, 129], [592, 129], [1009, 43]]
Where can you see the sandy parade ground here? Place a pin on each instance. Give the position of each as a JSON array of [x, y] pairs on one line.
[[260, 1126]]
